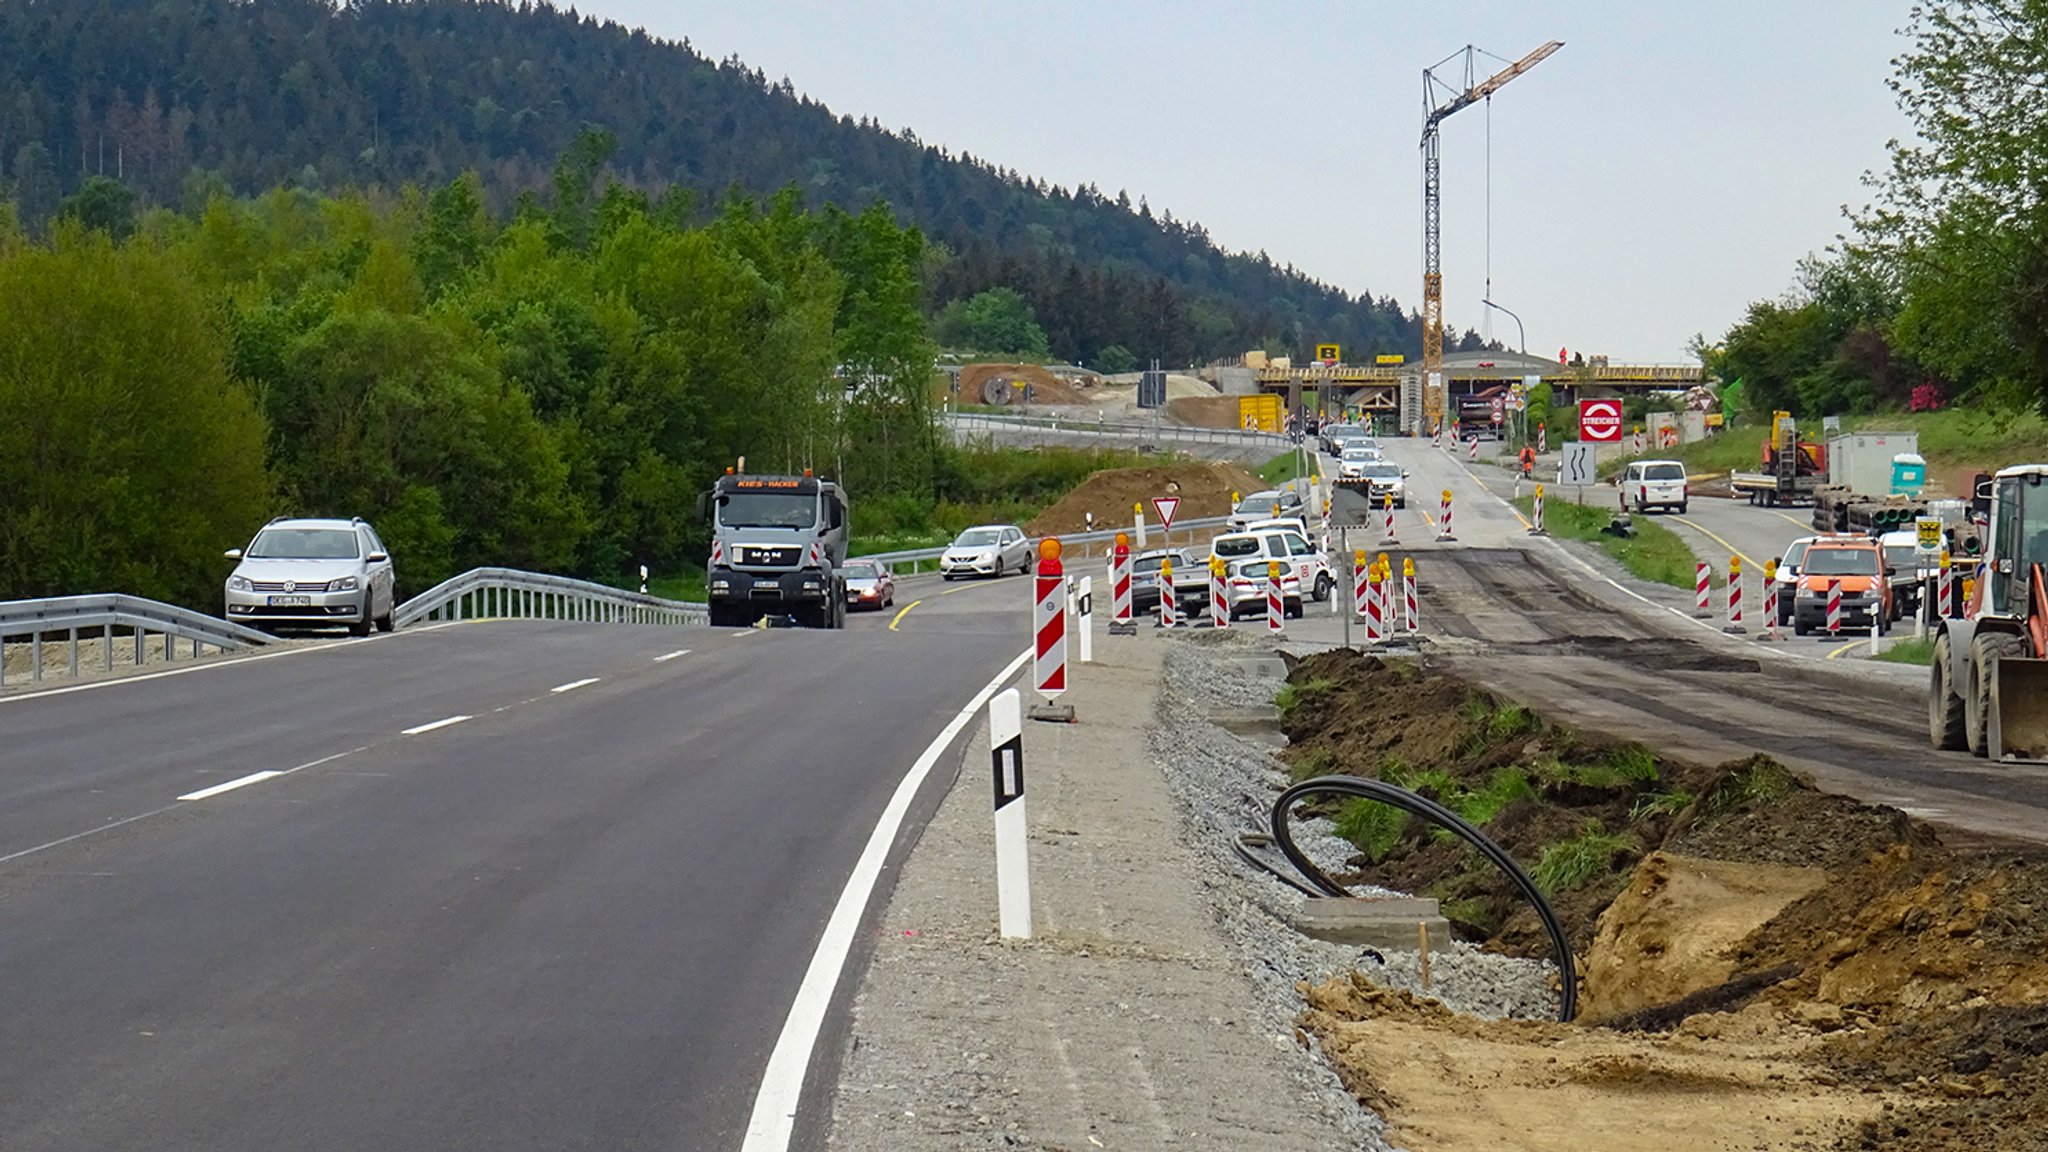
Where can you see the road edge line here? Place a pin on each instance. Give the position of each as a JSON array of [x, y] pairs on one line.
[[772, 1124]]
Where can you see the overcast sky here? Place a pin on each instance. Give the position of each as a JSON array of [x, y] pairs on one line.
[[1668, 165]]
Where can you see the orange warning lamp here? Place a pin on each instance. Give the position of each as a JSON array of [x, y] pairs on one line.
[[1123, 539], [1049, 548]]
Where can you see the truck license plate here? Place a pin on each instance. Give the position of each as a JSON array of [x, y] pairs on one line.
[[291, 601]]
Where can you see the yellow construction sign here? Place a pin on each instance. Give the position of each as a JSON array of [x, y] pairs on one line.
[[1391, 359], [1328, 352]]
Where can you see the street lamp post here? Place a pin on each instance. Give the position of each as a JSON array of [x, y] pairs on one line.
[[1521, 338]]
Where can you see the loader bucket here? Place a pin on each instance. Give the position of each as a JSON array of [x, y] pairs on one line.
[[2019, 709]]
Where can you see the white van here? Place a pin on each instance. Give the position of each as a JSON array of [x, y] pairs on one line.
[[1647, 484]]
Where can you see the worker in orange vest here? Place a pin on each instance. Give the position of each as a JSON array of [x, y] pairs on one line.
[[1528, 460]]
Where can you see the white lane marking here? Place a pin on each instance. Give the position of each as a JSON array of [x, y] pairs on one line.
[[216, 662], [436, 724], [666, 657], [230, 786], [107, 827], [573, 685], [773, 1122]]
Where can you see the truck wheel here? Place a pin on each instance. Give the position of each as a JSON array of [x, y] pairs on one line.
[[1944, 703], [720, 616], [1985, 651], [1801, 628], [1681, 507]]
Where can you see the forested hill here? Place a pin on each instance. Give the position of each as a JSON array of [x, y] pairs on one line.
[[174, 96]]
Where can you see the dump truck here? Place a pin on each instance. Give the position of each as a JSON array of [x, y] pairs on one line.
[[777, 544], [1988, 687], [1793, 468]]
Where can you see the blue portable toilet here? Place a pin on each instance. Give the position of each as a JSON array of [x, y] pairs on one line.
[[1909, 474]]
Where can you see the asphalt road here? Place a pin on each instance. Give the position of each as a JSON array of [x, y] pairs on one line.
[[575, 919]]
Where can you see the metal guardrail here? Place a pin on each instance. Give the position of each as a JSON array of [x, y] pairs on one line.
[[499, 593], [915, 558], [1142, 430], [29, 623]]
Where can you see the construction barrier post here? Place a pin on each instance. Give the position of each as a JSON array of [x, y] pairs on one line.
[[1735, 627], [1947, 582], [1834, 608], [1388, 506], [1219, 593], [1169, 607], [1473, 452], [1770, 599], [1443, 524], [1013, 853], [1049, 632], [1086, 620], [1536, 527], [1361, 583], [1376, 615], [1276, 599], [1703, 584], [1413, 615], [1120, 586]]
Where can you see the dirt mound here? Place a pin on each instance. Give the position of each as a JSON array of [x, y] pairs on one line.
[[1766, 926], [1204, 489], [1015, 384], [1204, 411]]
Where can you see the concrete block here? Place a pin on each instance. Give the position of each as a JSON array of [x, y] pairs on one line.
[[1372, 923]]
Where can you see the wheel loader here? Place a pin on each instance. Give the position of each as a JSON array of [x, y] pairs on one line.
[[1988, 688]]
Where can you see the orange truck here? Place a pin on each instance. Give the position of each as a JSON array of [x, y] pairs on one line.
[[1856, 567]]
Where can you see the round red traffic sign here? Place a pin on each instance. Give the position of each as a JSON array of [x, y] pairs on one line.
[[1600, 421]]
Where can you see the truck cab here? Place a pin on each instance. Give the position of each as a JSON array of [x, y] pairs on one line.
[[777, 544]]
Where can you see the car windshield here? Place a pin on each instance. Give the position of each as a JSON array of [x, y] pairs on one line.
[[1148, 563], [304, 544], [767, 510], [1796, 553], [1905, 558], [1663, 472], [1383, 471], [1841, 562], [1260, 502], [1356, 451], [1242, 546], [978, 538], [861, 572]]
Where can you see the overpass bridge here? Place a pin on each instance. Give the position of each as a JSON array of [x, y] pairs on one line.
[[1378, 389]]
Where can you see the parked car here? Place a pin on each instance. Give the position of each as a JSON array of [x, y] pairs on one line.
[[1265, 505], [986, 550], [314, 572], [1858, 569], [1648, 484], [1145, 576], [869, 584]]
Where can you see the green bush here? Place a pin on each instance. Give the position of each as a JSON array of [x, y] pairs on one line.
[[1374, 828], [1577, 862]]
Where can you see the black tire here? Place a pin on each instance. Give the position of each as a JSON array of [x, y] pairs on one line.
[[946, 576], [1944, 704], [384, 622], [1801, 628], [1323, 586], [362, 627], [1681, 508], [720, 615], [1985, 650]]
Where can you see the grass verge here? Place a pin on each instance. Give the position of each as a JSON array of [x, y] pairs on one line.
[[1287, 466], [1655, 553], [1919, 652]]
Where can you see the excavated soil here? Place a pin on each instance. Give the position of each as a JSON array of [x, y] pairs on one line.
[[1046, 388], [1204, 411], [1204, 489], [1761, 965]]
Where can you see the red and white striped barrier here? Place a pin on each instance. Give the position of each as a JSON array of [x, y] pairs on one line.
[[1169, 606], [1414, 609], [1946, 586], [1770, 599], [1276, 599], [1361, 582], [1120, 580], [1735, 597], [1389, 509], [1639, 441], [1049, 622], [1473, 452], [1703, 584], [1542, 440], [1375, 604], [1536, 523], [1443, 523], [1219, 593], [1834, 607]]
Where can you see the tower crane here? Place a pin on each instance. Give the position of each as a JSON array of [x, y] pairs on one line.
[[1439, 100]]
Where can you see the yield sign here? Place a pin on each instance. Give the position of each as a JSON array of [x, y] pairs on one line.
[[1166, 506]]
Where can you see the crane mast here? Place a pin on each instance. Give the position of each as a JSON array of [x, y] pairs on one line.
[[1439, 100]]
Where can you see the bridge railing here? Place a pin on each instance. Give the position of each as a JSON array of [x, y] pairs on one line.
[[1126, 429], [107, 629], [501, 593]]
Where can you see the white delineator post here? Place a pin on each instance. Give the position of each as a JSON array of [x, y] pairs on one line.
[[1443, 523], [1086, 623], [1276, 599], [1138, 523], [1414, 608], [1703, 587], [1049, 623], [1013, 851]]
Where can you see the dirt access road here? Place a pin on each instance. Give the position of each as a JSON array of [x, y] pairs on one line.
[[1559, 626]]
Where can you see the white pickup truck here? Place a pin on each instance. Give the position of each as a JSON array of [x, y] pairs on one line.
[[1304, 562]]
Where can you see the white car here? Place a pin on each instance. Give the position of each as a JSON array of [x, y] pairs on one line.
[[1250, 585], [986, 550], [1351, 464], [1264, 506], [1304, 562], [1648, 484]]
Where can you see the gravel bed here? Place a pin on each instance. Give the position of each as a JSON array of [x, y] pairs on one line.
[[1226, 783]]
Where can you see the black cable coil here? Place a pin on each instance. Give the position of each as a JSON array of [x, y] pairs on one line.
[[1361, 788]]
